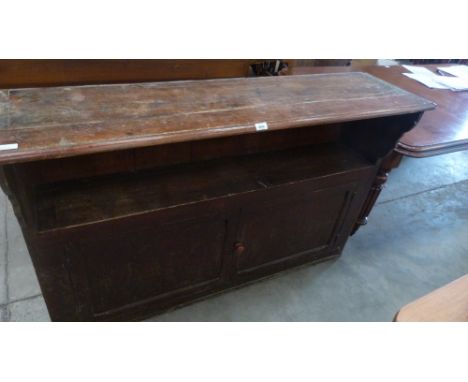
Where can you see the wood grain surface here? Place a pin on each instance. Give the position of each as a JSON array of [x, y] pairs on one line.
[[439, 131], [40, 73], [69, 121], [446, 304]]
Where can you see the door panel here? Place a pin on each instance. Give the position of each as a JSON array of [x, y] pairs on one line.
[[161, 260], [302, 221]]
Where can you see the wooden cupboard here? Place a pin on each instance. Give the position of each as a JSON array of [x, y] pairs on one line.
[[137, 198]]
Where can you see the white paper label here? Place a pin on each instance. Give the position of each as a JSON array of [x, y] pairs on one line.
[[261, 126], [9, 146]]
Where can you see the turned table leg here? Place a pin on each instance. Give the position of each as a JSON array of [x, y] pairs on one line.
[[390, 162]]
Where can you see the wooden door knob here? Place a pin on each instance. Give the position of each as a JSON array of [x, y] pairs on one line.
[[239, 248]]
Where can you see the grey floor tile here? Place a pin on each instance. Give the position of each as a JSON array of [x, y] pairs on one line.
[[413, 245], [22, 280], [3, 313], [3, 249], [421, 174], [259, 302], [33, 309]]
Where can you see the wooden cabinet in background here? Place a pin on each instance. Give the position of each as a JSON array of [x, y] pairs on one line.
[[29, 73]]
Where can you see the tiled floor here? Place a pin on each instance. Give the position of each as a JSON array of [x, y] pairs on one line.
[[20, 294], [416, 241]]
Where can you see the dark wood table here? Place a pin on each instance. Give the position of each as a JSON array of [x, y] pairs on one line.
[[440, 131]]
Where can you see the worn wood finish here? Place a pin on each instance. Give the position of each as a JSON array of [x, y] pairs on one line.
[[446, 304], [60, 122], [35, 73], [439, 131], [134, 199], [93, 199]]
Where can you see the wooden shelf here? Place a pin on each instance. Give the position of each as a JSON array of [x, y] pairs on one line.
[[69, 121], [96, 199]]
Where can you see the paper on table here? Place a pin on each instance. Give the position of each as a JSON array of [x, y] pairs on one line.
[[418, 70], [427, 80], [434, 81], [455, 70], [454, 83]]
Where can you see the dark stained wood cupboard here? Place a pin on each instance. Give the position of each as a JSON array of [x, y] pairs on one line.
[[137, 198]]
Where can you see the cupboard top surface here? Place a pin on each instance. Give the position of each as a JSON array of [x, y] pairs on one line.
[[68, 121]]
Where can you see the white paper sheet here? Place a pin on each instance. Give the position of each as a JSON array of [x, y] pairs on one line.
[[418, 70], [427, 80], [460, 71], [454, 83], [434, 81]]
